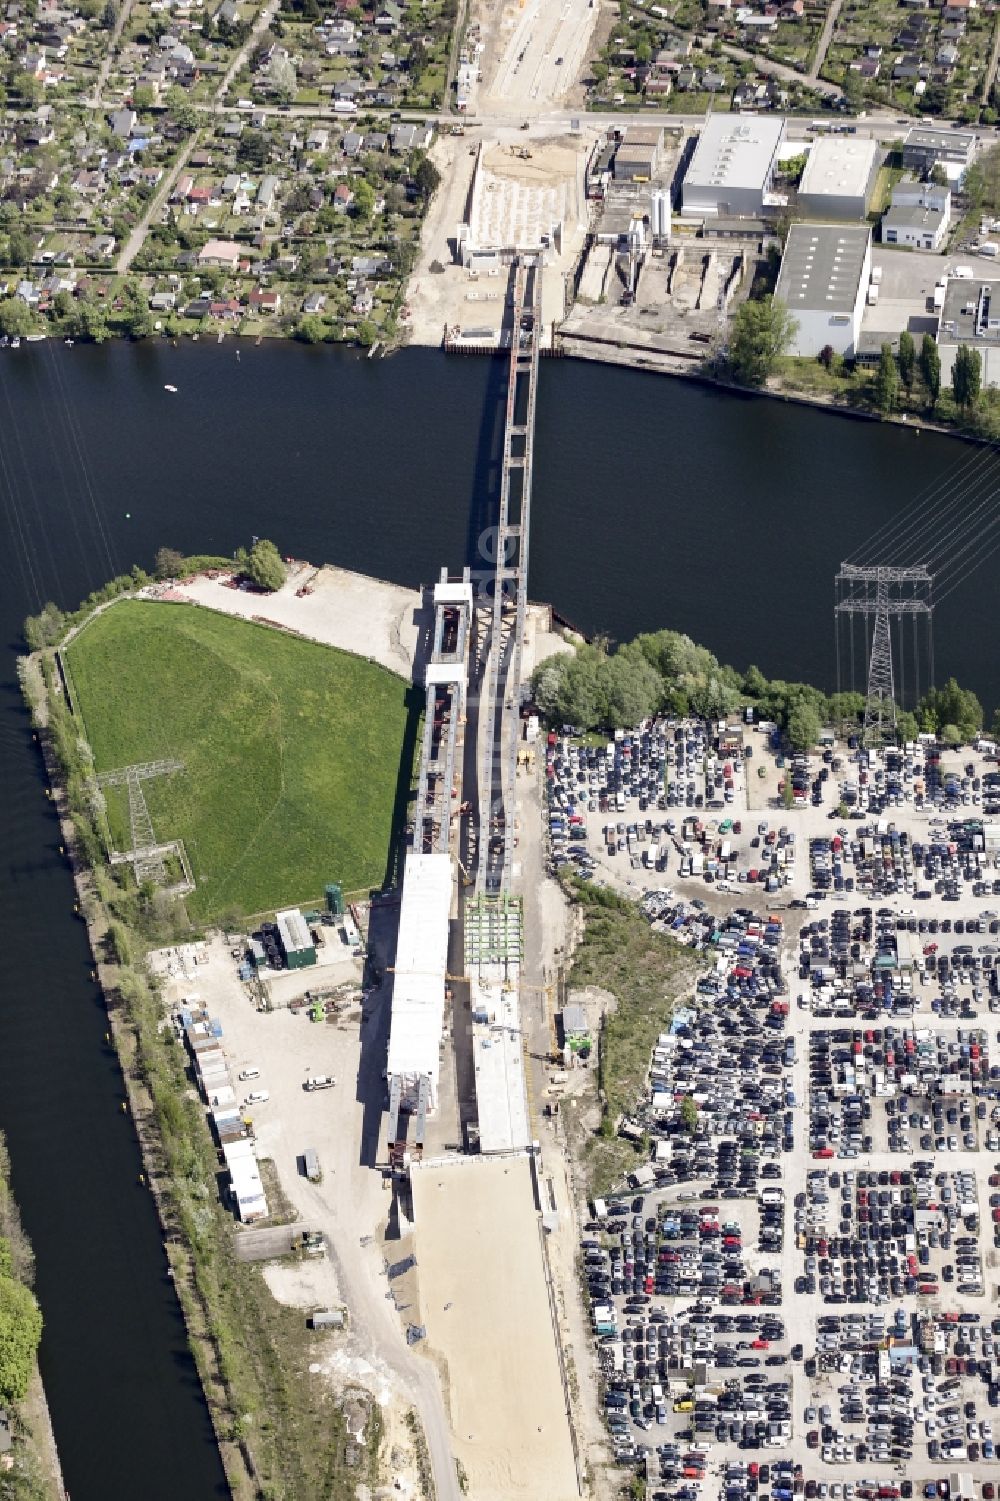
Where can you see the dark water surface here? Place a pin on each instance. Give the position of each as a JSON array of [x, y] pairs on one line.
[[655, 503]]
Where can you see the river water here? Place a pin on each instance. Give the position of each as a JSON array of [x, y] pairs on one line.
[[655, 503]]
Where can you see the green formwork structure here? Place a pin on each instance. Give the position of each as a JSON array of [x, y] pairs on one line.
[[494, 931]]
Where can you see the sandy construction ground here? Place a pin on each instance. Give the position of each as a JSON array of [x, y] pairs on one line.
[[484, 1302], [366, 616], [449, 295]]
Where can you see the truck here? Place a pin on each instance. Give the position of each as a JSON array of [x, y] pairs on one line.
[[319, 1081], [310, 1162], [650, 855]]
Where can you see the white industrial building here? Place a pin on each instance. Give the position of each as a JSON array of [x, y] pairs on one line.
[[970, 315], [417, 1018], [732, 168], [823, 281], [917, 216], [839, 176]]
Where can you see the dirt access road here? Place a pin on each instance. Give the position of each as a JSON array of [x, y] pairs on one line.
[[349, 1206]]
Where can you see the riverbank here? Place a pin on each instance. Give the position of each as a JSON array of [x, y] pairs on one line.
[[29, 1464], [272, 1427]]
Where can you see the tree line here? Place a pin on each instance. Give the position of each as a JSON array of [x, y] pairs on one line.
[[598, 686], [263, 566]]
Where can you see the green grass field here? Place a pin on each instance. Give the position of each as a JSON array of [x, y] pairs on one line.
[[292, 750]]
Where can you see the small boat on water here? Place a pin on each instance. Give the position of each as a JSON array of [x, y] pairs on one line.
[[15, 342], [171, 389]]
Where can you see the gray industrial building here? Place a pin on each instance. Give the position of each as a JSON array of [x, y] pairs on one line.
[[926, 146], [823, 282], [970, 315], [839, 177], [732, 168], [638, 156]]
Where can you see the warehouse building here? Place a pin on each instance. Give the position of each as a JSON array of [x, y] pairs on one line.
[[917, 216], [823, 281], [418, 988], [295, 939], [926, 147], [970, 314], [638, 156], [839, 176], [732, 169]]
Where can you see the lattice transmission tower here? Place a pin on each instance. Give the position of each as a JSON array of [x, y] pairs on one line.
[[881, 597]]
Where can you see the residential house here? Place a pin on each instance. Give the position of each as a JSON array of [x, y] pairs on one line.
[[220, 253], [163, 302], [411, 137], [363, 301], [262, 300], [104, 246], [376, 141], [957, 10], [314, 303], [388, 18], [226, 310], [343, 197], [910, 65], [123, 122], [317, 139], [946, 55], [267, 192], [713, 81], [353, 143], [370, 265]]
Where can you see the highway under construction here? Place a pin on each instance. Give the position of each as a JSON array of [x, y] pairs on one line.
[[458, 879]]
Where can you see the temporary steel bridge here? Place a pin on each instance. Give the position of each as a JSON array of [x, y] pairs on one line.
[[502, 643]]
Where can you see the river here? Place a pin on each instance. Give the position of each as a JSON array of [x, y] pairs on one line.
[[655, 503]]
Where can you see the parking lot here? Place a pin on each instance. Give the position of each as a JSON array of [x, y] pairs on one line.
[[794, 1294]]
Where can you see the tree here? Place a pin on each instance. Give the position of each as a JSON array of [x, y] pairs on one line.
[[803, 725], [689, 1114], [426, 178], [762, 331], [20, 1333], [264, 566], [930, 367], [168, 562], [91, 322], [907, 358], [939, 176], [18, 249], [254, 149], [886, 382], [143, 96], [310, 329], [16, 318], [366, 333], [951, 706], [826, 356], [966, 376], [363, 203]]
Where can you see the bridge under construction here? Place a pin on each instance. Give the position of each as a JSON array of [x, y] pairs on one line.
[[460, 867]]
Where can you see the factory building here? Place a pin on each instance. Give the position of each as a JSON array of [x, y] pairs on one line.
[[918, 215], [823, 281], [970, 314], [926, 146], [839, 176], [732, 169], [638, 156]]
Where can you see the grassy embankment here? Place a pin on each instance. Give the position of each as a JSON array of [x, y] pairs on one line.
[[647, 973], [293, 754], [291, 750]]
